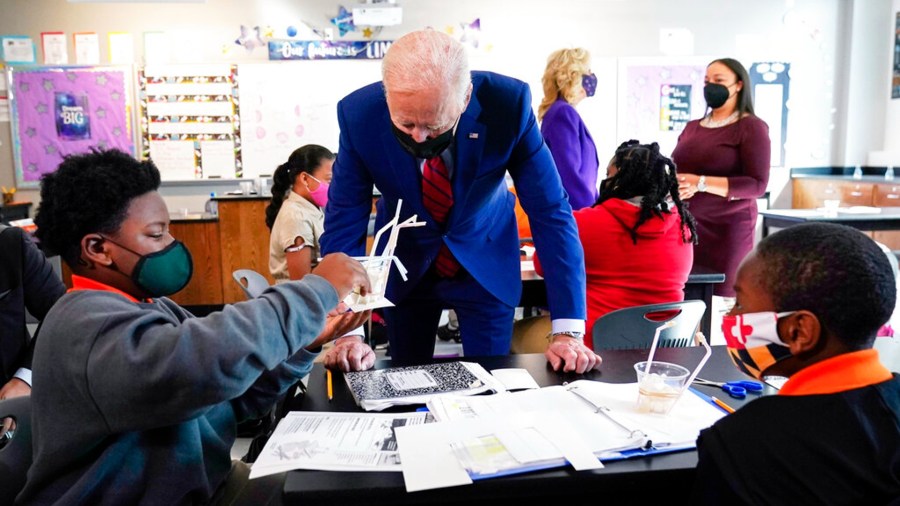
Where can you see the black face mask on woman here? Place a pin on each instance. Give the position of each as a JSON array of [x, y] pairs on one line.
[[427, 149], [715, 94]]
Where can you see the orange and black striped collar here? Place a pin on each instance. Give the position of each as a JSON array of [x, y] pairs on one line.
[[846, 371]]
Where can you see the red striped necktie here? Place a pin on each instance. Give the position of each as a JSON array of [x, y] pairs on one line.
[[437, 195]]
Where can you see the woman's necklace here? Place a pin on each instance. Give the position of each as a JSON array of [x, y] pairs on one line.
[[709, 122]]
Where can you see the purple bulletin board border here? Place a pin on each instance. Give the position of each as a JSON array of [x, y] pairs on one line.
[[37, 148], [895, 77]]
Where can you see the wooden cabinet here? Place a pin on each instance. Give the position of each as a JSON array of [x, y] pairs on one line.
[[202, 240], [856, 194], [810, 193], [887, 195], [244, 240]]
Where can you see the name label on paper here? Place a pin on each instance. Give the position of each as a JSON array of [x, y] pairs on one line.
[[328, 50]]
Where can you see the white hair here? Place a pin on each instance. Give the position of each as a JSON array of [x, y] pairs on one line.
[[426, 58]]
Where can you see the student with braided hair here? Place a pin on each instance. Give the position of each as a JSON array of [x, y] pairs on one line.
[[638, 238]]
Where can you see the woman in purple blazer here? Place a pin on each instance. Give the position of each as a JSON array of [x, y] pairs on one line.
[[567, 81]]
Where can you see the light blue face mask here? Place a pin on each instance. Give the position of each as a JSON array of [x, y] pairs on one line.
[[163, 272]]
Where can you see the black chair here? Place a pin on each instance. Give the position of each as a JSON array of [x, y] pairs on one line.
[[634, 327], [15, 452]]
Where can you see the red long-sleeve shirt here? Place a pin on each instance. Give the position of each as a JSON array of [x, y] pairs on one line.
[[621, 273]]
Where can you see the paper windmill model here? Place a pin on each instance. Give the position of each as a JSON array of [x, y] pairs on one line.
[[379, 267]]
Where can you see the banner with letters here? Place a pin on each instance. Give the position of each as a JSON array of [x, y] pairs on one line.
[[328, 50]]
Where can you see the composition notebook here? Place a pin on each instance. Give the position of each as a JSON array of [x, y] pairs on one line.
[[377, 390]]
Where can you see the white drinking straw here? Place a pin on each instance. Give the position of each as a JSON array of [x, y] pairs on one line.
[[664, 326], [393, 227], [698, 337]]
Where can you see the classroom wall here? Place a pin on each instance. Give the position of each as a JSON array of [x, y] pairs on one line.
[[864, 99], [818, 37], [891, 149]]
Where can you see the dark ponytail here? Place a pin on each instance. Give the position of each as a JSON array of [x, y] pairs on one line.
[[303, 159]]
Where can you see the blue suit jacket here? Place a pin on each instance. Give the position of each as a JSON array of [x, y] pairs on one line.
[[497, 133]]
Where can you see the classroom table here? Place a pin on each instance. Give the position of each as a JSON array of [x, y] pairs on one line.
[[888, 218], [668, 477], [699, 286]]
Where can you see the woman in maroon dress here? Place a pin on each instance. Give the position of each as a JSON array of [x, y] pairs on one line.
[[723, 162]]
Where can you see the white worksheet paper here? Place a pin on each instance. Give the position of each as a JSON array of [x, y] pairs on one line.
[[515, 378], [429, 461], [334, 442]]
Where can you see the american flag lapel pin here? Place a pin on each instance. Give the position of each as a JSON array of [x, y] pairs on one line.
[[473, 135]]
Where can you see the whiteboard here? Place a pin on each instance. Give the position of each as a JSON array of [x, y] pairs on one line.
[[285, 105]]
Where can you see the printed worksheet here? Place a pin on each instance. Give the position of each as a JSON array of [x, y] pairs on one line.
[[335, 442]]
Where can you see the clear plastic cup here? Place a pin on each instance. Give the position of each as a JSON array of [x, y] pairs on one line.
[[660, 387]]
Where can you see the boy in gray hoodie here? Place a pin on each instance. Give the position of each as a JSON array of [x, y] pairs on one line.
[[135, 401]]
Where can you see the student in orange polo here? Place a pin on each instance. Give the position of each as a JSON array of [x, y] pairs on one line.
[[809, 302]]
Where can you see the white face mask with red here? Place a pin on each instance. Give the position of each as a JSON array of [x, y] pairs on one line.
[[753, 342]]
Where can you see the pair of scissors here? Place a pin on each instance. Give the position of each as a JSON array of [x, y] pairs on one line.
[[736, 389]]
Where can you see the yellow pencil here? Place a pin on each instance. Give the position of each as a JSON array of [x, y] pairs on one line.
[[328, 380], [719, 403]]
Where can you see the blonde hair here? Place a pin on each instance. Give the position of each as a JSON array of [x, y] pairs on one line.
[[563, 76]]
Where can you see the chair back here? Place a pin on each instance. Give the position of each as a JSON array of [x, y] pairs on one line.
[[15, 451], [634, 327], [251, 282]]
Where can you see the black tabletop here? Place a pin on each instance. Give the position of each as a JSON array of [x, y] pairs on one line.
[[668, 476]]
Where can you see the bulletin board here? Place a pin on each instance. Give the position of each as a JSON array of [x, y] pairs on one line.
[[190, 124], [285, 105], [657, 96], [57, 111]]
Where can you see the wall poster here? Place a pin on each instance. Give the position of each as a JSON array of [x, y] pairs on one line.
[[57, 111], [190, 124], [674, 107], [658, 96]]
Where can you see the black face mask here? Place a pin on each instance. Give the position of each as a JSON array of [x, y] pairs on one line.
[[715, 94], [604, 185], [427, 149]]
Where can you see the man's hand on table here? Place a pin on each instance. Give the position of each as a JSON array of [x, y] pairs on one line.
[[571, 355], [349, 353]]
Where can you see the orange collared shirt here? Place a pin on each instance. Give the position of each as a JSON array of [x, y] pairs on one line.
[[847, 371], [83, 283]]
